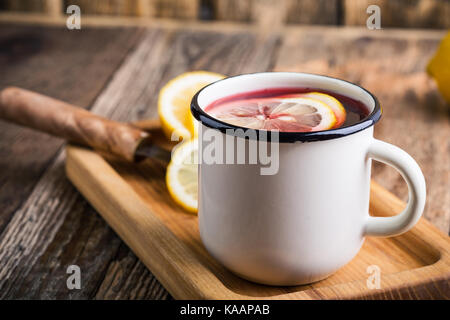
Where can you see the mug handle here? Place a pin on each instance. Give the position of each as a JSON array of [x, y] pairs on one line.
[[411, 173]]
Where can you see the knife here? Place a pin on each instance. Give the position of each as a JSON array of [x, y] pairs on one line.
[[131, 142]]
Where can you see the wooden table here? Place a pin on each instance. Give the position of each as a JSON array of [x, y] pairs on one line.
[[46, 225]]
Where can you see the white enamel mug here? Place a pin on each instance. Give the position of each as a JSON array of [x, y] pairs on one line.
[[309, 219]]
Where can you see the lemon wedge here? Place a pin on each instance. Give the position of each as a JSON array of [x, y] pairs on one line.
[[332, 102]]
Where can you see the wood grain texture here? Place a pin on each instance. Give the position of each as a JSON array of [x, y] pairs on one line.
[[392, 66], [233, 10], [269, 14], [27, 156], [278, 12], [105, 7], [56, 62], [144, 8], [314, 12], [135, 202], [395, 13], [178, 9], [175, 9], [23, 5], [54, 7], [400, 13], [160, 56], [128, 279]]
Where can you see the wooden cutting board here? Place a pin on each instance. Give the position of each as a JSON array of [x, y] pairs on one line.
[[134, 200]]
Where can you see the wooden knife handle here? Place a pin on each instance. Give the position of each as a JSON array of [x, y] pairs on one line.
[[69, 122]]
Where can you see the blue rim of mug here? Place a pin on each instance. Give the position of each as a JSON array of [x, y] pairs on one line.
[[228, 128]]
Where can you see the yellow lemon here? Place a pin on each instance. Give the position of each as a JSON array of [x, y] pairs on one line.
[[175, 99], [182, 175], [439, 67]]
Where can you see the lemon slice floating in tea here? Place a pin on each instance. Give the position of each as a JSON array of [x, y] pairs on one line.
[[332, 102], [286, 114]]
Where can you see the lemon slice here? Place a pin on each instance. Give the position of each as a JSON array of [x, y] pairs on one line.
[[332, 102], [175, 99], [282, 114], [182, 176]]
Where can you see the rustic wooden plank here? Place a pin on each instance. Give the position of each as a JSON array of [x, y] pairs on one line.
[[95, 247], [23, 5], [392, 66], [19, 282], [269, 14], [401, 13], [273, 13], [176, 9], [34, 262], [439, 289], [54, 8], [67, 65], [395, 13], [233, 10], [105, 7], [26, 154], [127, 278], [313, 12], [160, 56], [144, 8]]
